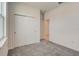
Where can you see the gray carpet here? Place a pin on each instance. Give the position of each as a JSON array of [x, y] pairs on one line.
[[42, 49]]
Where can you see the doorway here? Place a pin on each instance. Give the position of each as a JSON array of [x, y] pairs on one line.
[[46, 30], [44, 27]]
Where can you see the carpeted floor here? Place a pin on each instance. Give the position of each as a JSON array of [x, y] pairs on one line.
[[42, 49]]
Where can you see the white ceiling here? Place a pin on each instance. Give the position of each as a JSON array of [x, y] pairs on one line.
[[44, 6]]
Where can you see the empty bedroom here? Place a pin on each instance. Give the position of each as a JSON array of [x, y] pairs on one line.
[[39, 28]]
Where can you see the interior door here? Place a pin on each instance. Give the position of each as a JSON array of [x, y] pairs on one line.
[[27, 30]]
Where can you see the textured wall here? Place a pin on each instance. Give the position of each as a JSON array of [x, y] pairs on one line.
[[64, 25]]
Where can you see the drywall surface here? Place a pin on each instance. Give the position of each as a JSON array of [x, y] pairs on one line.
[[21, 8], [64, 25]]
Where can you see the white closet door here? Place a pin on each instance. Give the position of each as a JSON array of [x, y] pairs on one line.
[[27, 30]]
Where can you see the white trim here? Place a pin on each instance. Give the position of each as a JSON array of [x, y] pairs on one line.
[[3, 15], [3, 41]]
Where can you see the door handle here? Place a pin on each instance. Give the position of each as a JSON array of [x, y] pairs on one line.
[[14, 32]]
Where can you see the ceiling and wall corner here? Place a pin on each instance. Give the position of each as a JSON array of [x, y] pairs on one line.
[[44, 6]]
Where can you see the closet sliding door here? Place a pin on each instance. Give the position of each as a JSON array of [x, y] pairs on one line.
[[26, 30]]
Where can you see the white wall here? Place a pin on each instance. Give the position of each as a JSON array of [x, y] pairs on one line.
[[64, 25], [20, 8]]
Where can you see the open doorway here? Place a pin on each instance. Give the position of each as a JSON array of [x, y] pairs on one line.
[[44, 27]]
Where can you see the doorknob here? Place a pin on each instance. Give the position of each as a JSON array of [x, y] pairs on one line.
[[14, 32]]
